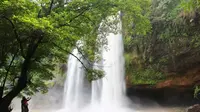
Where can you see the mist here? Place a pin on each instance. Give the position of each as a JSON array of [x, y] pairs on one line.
[[52, 100]]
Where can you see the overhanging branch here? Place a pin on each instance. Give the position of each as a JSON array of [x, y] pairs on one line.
[[87, 69], [84, 10], [70, 54]]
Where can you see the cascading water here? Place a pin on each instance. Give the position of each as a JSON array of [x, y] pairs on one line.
[[113, 84], [76, 90], [107, 94], [74, 82]]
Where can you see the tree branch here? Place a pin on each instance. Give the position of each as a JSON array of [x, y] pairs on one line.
[[87, 69], [23, 78], [78, 15], [81, 52], [51, 6], [15, 32], [70, 54], [7, 71]]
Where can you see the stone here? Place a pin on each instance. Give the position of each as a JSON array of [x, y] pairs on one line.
[[194, 108]]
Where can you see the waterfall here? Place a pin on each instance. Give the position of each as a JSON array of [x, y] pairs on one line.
[[106, 94], [74, 82], [75, 89], [113, 84]]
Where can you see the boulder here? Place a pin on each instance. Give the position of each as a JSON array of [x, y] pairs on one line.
[[194, 108]]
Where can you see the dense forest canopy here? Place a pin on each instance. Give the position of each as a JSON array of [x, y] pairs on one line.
[[38, 35]]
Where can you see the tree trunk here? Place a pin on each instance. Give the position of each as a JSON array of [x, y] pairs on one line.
[[22, 82], [1, 93]]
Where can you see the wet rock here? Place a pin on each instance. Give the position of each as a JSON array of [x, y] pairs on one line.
[[168, 96], [194, 108]]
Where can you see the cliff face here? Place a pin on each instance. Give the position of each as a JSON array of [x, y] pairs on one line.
[[167, 96], [190, 78], [176, 90]]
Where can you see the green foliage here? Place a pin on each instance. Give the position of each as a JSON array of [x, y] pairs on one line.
[[137, 74], [62, 27], [171, 46], [146, 76], [196, 92], [190, 5], [53, 28], [94, 74], [135, 15]]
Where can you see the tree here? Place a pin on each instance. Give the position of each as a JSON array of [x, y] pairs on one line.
[[37, 35]]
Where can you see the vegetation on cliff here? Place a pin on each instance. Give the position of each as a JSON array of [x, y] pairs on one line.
[[170, 48]]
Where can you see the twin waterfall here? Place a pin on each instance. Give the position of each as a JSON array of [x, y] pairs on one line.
[[104, 95]]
